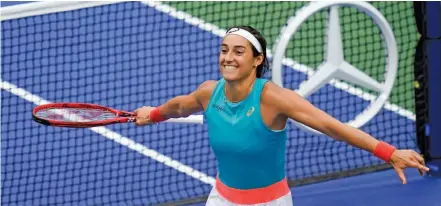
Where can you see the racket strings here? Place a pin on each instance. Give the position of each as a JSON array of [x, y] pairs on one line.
[[75, 114]]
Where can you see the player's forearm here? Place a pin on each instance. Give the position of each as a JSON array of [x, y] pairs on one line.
[[352, 136], [177, 107], [171, 108], [356, 138]]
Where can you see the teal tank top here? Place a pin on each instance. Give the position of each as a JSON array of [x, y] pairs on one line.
[[248, 153]]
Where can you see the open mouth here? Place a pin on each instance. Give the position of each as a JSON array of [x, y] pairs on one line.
[[229, 68]]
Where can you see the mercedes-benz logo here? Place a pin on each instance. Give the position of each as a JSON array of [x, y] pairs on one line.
[[335, 66]]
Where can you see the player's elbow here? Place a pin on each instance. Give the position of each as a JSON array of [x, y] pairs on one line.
[[186, 106], [183, 112], [180, 110]]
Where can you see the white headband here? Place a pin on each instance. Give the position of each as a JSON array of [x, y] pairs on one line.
[[247, 35]]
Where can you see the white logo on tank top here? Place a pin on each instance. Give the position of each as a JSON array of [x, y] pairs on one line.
[[250, 111]]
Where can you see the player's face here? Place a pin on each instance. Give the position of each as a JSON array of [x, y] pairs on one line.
[[236, 59]]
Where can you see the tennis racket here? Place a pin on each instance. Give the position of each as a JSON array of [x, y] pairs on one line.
[[84, 115]]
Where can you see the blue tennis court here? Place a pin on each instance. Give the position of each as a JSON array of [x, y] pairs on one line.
[[379, 188], [127, 55]]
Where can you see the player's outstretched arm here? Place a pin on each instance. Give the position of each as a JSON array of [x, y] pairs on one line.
[[179, 106], [293, 106]]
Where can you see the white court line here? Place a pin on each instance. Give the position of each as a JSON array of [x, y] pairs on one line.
[[171, 11], [46, 7], [125, 141]]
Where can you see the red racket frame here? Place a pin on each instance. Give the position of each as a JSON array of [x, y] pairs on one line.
[[121, 116]]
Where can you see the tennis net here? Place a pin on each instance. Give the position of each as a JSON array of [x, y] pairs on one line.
[[129, 54]]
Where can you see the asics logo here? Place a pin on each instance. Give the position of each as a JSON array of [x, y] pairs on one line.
[[218, 108], [222, 109], [250, 111]]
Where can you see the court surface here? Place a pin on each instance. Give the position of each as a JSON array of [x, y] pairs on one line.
[[380, 188]]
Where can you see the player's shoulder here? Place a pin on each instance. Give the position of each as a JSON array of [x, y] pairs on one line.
[[270, 88], [205, 89], [207, 86], [272, 93]]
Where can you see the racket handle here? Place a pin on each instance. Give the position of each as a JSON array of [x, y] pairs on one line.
[[193, 119]]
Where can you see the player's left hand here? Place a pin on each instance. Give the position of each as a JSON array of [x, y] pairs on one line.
[[402, 159]]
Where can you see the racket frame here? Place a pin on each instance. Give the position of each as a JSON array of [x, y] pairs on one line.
[[121, 116]]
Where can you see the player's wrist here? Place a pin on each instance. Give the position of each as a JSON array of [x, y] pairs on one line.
[[156, 116], [384, 151]]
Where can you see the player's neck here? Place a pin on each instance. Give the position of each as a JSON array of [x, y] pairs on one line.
[[239, 90]]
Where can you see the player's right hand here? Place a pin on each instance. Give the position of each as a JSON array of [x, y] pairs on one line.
[[142, 116]]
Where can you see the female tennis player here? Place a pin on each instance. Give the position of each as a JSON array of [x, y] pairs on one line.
[[247, 117]]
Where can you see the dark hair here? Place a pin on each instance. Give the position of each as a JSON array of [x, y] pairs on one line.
[[264, 66]]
